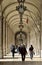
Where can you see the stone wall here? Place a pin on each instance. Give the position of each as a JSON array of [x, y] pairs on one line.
[[8, 38]]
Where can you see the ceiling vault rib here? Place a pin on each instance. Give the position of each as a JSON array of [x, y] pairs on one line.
[[10, 13], [18, 18], [26, 3], [34, 29], [13, 16], [8, 6], [27, 26], [24, 24], [25, 18], [16, 15], [15, 19], [34, 14], [27, 10], [34, 22], [34, 6], [16, 22]]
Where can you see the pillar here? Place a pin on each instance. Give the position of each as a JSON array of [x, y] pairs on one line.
[[1, 33]]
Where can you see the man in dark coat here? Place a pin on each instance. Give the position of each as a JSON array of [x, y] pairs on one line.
[[22, 50]]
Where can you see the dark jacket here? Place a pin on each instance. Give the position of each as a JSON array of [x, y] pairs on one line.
[[31, 48], [23, 50]]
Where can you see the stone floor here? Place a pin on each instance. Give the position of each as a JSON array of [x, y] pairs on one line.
[[8, 60], [22, 63], [17, 57]]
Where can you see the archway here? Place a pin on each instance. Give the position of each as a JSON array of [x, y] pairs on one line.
[[20, 38]]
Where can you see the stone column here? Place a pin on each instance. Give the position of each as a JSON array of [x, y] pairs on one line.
[[40, 38], [2, 35], [36, 35], [0, 39], [5, 38]]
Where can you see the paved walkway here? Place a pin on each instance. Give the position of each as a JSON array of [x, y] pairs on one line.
[[21, 63], [17, 57]]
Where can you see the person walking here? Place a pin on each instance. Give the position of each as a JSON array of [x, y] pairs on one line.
[[31, 51], [23, 52], [13, 50]]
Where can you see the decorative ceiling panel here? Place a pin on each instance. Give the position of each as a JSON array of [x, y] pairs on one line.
[[13, 18]]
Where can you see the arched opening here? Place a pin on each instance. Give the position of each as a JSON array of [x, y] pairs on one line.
[[20, 38]]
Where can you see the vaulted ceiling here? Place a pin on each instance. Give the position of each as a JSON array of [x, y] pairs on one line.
[[12, 16]]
